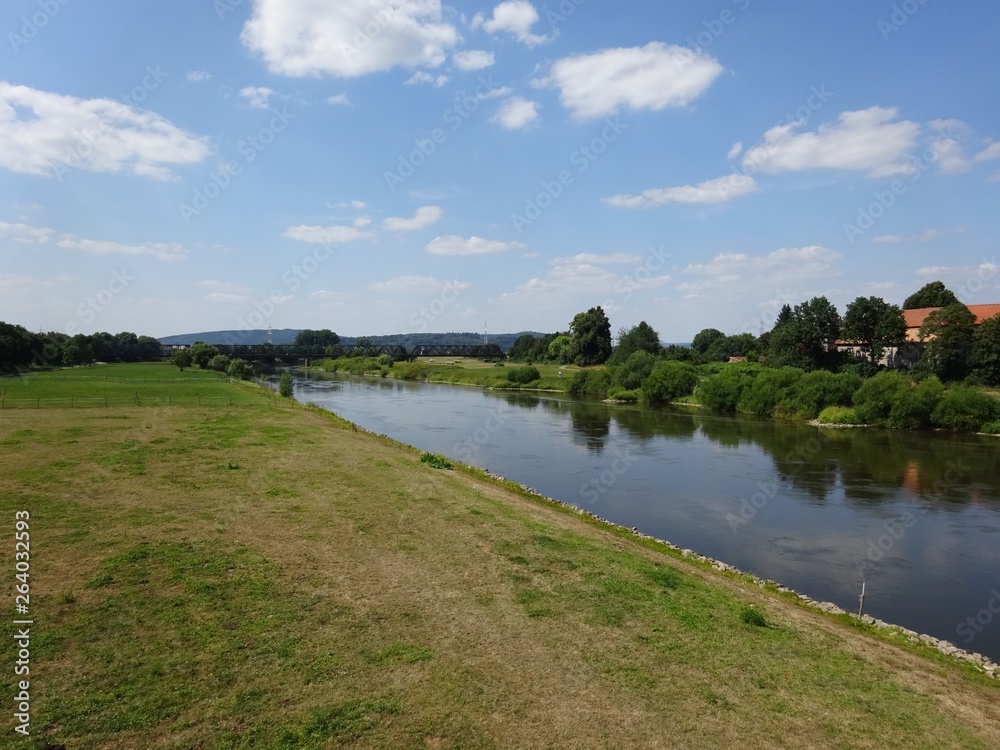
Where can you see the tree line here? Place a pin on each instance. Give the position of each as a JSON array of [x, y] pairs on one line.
[[21, 349]]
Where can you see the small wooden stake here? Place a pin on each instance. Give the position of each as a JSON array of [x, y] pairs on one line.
[[861, 605]]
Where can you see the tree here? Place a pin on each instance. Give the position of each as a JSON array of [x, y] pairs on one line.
[[985, 358], [591, 333], [561, 350], [219, 362], [704, 339], [934, 294], [181, 358], [806, 339], [641, 337], [874, 324], [949, 333], [239, 369], [669, 381], [739, 345], [321, 338], [202, 353], [523, 348], [285, 384]]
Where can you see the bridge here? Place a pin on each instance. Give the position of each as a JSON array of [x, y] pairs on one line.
[[271, 353]]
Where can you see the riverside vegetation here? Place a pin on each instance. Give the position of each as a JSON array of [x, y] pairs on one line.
[[240, 577]]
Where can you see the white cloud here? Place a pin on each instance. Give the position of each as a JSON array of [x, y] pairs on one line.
[[652, 77], [197, 76], [950, 157], [866, 140], [159, 250], [925, 236], [335, 235], [595, 259], [256, 96], [226, 297], [362, 221], [359, 204], [421, 77], [224, 287], [516, 17], [25, 234], [927, 271], [516, 113], [425, 216], [339, 100], [789, 265], [990, 152], [473, 59], [735, 150], [423, 284], [98, 135], [719, 190], [348, 38], [455, 245]]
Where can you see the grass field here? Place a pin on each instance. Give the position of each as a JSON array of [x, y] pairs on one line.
[[488, 374], [268, 578], [151, 383]]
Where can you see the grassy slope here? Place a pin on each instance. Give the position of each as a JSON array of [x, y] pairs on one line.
[[265, 578]]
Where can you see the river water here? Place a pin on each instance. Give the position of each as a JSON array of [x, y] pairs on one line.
[[916, 516]]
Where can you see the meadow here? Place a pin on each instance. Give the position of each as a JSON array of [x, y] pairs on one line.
[[229, 577]]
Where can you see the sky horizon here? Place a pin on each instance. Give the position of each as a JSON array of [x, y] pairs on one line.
[[404, 166]]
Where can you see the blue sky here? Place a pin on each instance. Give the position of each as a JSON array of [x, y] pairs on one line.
[[397, 166]]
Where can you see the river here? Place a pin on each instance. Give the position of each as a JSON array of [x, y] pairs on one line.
[[916, 516]]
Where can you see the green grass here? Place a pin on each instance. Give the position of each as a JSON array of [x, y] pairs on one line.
[[146, 384], [237, 578]]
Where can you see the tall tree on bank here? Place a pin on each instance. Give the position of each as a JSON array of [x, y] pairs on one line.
[[591, 333], [949, 334], [321, 338], [874, 325], [934, 294], [806, 339], [986, 351], [639, 338]]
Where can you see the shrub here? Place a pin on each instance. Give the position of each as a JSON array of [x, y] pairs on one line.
[[285, 384], [386, 360], [965, 409], [239, 369], [523, 375], [436, 460], [914, 409], [219, 362], [631, 373], [669, 381], [767, 390], [412, 371], [838, 415], [991, 428], [723, 391], [590, 383], [751, 616], [819, 389], [876, 398]]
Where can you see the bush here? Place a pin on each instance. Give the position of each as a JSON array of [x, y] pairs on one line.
[[723, 391], [991, 428], [285, 384], [219, 362], [768, 389], [913, 411], [965, 409], [819, 389], [239, 369], [590, 383], [876, 398], [669, 381], [631, 373], [838, 415], [386, 360], [412, 371], [436, 461], [523, 375], [751, 616]]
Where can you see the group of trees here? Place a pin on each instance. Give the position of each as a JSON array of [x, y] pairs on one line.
[[208, 357], [588, 342], [21, 348]]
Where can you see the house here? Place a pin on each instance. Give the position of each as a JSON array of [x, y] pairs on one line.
[[910, 350]]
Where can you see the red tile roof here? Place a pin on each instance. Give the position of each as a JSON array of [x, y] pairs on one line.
[[915, 318]]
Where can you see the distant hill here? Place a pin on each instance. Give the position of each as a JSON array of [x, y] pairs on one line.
[[287, 336]]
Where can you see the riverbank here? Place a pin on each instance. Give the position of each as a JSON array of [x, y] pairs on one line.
[[223, 576]]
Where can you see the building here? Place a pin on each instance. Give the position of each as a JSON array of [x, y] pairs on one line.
[[907, 354]]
